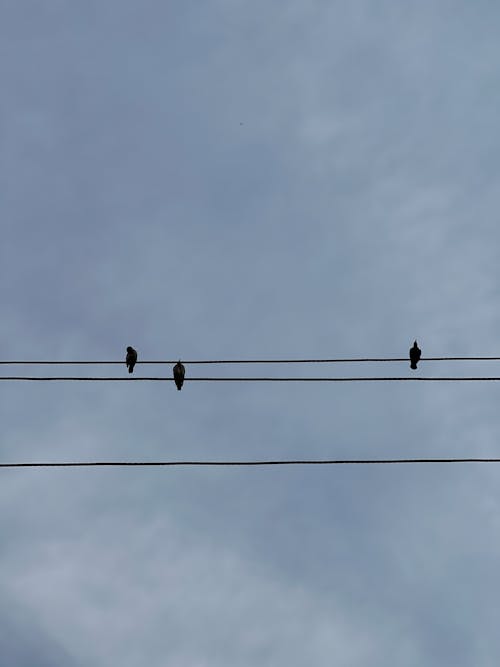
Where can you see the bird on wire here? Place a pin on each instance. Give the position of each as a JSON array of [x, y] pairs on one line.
[[131, 359], [415, 354], [179, 372]]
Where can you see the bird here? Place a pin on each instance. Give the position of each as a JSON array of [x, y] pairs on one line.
[[415, 353], [179, 372], [131, 359]]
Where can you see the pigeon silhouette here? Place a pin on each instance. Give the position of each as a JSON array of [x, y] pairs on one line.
[[131, 359], [415, 353], [179, 372]]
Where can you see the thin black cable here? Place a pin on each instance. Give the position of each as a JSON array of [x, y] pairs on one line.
[[248, 361], [109, 464], [16, 378]]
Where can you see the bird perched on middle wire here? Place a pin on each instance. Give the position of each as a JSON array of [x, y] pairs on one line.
[[179, 372], [415, 354], [131, 359]]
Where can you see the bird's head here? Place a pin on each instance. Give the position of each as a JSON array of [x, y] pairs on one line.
[[130, 349]]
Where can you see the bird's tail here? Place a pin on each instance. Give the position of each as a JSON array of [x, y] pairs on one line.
[[413, 365], [130, 369]]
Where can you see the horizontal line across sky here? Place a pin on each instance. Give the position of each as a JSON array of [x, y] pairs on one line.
[[249, 361], [21, 378], [285, 462]]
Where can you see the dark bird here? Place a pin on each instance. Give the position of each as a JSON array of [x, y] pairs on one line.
[[415, 353], [179, 372], [131, 359]]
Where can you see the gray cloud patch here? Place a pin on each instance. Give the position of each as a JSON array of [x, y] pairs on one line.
[[24, 642]]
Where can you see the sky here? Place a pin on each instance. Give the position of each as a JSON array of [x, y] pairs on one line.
[[236, 179]]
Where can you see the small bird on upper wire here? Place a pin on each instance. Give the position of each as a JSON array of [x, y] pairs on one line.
[[179, 372], [131, 359], [415, 354]]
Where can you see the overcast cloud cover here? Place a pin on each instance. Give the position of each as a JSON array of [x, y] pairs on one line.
[[236, 178]]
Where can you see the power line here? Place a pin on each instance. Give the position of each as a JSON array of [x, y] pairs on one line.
[[16, 378], [293, 462], [246, 361]]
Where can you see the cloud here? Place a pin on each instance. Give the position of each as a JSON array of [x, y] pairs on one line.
[[24, 641], [352, 211]]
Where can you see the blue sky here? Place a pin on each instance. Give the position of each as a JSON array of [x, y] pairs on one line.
[[249, 179]]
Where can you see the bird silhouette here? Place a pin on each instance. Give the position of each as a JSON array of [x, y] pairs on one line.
[[131, 359], [179, 372], [415, 353]]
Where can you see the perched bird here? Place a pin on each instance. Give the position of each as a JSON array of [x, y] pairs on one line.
[[415, 353], [179, 372], [131, 359]]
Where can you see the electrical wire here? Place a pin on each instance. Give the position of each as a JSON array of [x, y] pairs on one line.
[[17, 378], [248, 361], [293, 462]]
